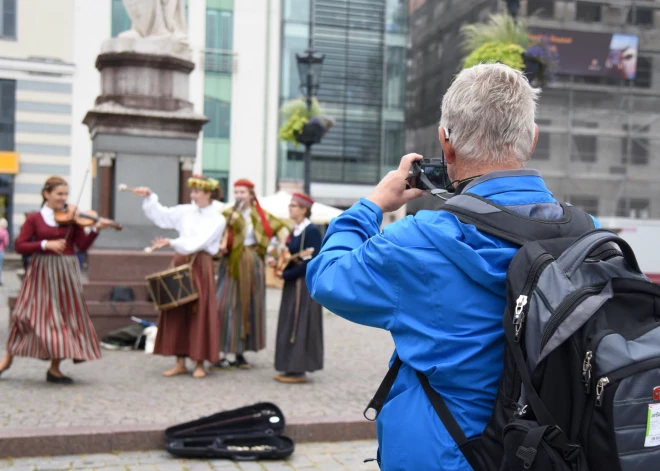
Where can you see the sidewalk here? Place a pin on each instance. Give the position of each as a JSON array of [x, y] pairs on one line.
[[338, 456], [127, 389]]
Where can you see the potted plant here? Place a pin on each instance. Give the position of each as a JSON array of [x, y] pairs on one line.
[[504, 40], [302, 125]]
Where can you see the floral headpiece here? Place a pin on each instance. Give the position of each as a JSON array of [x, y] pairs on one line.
[[203, 183]]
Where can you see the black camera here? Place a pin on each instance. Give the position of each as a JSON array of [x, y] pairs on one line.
[[429, 174]]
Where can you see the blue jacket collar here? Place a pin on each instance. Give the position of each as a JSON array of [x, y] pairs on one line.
[[501, 181]]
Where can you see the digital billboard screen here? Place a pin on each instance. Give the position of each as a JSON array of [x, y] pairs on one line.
[[611, 55]]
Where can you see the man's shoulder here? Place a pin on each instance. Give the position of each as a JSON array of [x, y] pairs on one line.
[[425, 225]]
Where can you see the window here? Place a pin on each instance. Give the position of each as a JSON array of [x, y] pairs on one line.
[[587, 12], [644, 71], [397, 16], [542, 151], [543, 8], [219, 41], [640, 16], [638, 208], [219, 114], [394, 144], [396, 77], [120, 20], [583, 149], [586, 203], [7, 114], [7, 19], [639, 146], [219, 30]]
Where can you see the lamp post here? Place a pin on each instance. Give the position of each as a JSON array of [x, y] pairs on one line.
[[309, 70]]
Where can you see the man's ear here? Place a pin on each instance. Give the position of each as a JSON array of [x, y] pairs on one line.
[[447, 146], [536, 140]]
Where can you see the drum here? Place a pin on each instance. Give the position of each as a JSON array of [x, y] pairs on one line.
[[172, 288]]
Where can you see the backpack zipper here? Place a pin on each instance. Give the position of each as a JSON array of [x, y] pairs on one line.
[[532, 277], [564, 309], [621, 373], [586, 371]]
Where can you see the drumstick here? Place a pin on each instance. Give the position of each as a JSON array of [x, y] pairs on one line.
[[123, 187]]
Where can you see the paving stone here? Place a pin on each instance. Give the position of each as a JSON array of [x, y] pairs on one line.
[[103, 396]]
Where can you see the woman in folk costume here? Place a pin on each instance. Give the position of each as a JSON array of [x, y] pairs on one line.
[[241, 278], [299, 342], [51, 320], [191, 330]]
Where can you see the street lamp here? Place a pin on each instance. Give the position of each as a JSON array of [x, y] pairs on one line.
[[309, 70]]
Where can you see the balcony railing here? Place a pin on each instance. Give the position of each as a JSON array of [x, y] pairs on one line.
[[219, 61]]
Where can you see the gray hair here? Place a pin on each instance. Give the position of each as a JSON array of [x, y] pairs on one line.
[[490, 110]]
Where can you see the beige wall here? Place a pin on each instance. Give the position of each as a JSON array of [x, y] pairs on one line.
[[44, 28]]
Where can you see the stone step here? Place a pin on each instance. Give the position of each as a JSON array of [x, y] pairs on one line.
[[107, 317], [125, 266], [102, 290]]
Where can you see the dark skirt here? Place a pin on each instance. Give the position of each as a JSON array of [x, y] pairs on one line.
[[242, 304], [299, 343], [192, 330], [51, 319]]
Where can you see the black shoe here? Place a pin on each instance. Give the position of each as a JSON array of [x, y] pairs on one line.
[[223, 364], [241, 363], [51, 378]]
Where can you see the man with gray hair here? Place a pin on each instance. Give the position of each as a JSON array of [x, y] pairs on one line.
[[437, 284]]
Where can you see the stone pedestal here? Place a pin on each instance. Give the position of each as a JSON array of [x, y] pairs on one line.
[[144, 133]]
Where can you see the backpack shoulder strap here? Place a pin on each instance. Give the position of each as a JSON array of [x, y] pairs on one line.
[[501, 222]]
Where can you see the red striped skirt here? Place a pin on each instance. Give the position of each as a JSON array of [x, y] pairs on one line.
[[51, 319]]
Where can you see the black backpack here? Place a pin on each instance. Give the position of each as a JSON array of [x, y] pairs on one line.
[[580, 389]]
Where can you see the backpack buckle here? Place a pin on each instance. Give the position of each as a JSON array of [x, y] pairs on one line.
[[557, 439]]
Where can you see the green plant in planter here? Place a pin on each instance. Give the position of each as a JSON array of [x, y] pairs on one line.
[[292, 127], [500, 28], [492, 52], [295, 115]]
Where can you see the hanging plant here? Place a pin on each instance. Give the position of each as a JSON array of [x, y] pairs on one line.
[[500, 28], [541, 62], [302, 126], [494, 52]]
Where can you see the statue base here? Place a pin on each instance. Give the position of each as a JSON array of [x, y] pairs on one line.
[[159, 46]]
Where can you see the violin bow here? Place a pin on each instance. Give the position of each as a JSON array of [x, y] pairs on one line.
[[82, 188]]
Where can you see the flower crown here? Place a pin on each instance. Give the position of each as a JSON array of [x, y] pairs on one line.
[[203, 183]]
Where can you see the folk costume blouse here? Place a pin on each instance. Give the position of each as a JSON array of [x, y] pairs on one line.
[[200, 229], [41, 227]]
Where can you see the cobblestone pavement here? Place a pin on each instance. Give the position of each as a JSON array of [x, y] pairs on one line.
[[128, 387], [307, 457]]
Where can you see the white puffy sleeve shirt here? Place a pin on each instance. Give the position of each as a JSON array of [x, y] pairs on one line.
[[200, 229]]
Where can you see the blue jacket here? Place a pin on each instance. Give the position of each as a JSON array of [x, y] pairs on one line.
[[438, 286]]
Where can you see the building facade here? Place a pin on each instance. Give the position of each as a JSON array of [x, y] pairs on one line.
[[599, 137], [245, 68], [36, 83], [362, 87]]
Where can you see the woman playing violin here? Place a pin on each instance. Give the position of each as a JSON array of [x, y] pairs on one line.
[[51, 320]]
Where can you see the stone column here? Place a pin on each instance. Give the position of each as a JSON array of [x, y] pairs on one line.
[[105, 162], [185, 172]]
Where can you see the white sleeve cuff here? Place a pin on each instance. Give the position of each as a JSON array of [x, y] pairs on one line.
[[43, 244]]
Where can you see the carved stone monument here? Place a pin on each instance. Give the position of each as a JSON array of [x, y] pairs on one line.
[[144, 132], [143, 127]]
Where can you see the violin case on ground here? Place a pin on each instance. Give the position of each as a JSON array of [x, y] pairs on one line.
[[245, 434]]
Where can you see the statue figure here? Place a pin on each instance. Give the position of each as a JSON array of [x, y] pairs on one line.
[[156, 19]]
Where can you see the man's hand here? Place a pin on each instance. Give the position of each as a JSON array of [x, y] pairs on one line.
[[391, 193], [56, 246]]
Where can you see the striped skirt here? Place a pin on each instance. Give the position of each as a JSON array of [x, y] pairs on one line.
[[51, 319], [242, 305]]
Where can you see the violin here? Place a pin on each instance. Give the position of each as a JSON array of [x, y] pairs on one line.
[[69, 216]]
